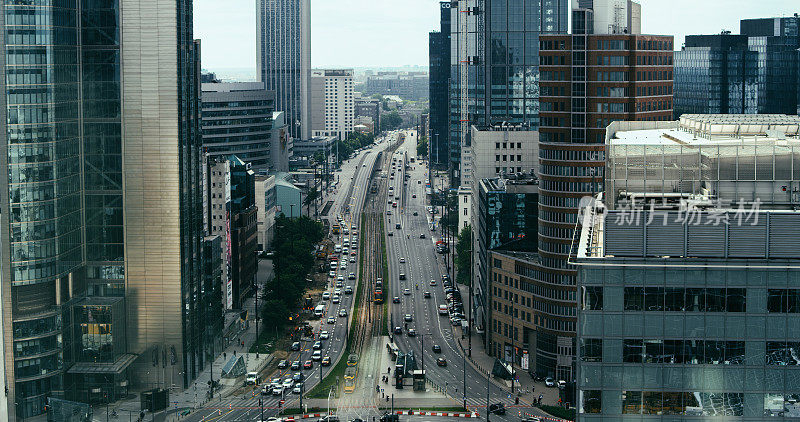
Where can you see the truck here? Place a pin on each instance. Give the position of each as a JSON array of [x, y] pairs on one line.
[[336, 229], [319, 311]]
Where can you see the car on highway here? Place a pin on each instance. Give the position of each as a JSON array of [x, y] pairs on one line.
[[353, 253], [352, 259], [326, 295], [342, 312], [336, 299], [317, 345], [396, 299], [407, 318], [398, 330], [283, 364], [402, 276], [288, 383], [296, 365], [389, 234], [326, 361], [441, 362], [412, 332], [549, 382], [388, 212], [414, 195], [397, 226], [422, 235], [331, 320], [402, 260], [324, 335], [351, 276], [308, 364], [252, 378], [317, 355], [455, 321], [437, 348], [295, 346], [348, 290], [277, 391], [433, 282], [339, 279], [406, 292], [297, 389], [442, 309], [332, 274]]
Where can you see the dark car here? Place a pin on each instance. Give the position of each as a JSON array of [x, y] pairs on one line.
[[422, 235], [427, 295], [416, 213], [398, 330], [412, 332], [437, 348], [497, 409], [441, 362], [395, 299]]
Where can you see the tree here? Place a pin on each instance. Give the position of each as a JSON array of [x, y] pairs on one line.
[[463, 255], [312, 194], [275, 313], [391, 121], [422, 146], [319, 157]]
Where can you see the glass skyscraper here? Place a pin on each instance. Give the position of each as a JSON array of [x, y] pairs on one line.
[[79, 244], [283, 58], [503, 71], [439, 53]]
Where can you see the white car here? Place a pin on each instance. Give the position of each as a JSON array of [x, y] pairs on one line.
[[326, 295], [352, 259], [324, 335], [288, 383], [277, 391], [406, 292], [402, 260], [549, 382], [335, 299], [343, 265], [317, 355], [340, 278], [331, 320], [342, 312]]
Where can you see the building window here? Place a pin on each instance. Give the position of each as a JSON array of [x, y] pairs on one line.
[[592, 350], [592, 298]]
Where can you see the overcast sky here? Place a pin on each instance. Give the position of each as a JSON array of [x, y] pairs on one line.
[[384, 33]]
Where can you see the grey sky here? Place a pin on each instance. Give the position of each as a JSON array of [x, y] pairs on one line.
[[354, 33]]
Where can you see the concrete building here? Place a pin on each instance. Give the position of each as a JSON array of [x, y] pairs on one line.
[[411, 86], [101, 208], [614, 16], [587, 80], [506, 217], [266, 203], [438, 91], [501, 151], [309, 147], [755, 72], [217, 215], [288, 197], [283, 59], [239, 118], [366, 107], [688, 272], [332, 102]]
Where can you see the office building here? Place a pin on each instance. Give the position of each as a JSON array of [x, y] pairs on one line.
[[501, 151], [614, 16], [332, 102], [367, 108], [587, 81], [439, 92], [506, 217], [502, 67], [288, 197], [716, 74], [103, 212], [265, 203], [688, 272], [239, 118], [283, 59], [755, 72], [410, 86], [230, 213]]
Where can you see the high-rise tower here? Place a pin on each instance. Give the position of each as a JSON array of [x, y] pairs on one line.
[[283, 58]]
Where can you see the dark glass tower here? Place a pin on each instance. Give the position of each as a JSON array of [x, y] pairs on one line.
[[503, 71], [283, 58], [439, 52]]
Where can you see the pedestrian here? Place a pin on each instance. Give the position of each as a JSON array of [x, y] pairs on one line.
[[224, 356]]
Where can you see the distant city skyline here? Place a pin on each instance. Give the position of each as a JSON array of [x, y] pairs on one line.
[[396, 34]]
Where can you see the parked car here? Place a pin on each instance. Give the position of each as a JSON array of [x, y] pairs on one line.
[[549, 382]]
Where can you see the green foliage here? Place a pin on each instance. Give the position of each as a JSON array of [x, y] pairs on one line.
[[422, 147], [559, 412], [391, 121], [293, 261], [319, 157], [354, 141], [463, 255]]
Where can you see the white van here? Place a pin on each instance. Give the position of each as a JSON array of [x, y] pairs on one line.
[[442, 309], [319, 310]]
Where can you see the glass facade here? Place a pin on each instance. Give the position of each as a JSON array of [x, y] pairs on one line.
[[503, 71], [688, 342], [439, 53]]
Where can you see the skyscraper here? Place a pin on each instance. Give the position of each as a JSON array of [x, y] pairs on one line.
[[755, 72], [332, 102], [283, 58], [101, 221], [502, 56], [439, 67]]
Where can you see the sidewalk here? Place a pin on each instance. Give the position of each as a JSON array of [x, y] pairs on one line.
[[195, 396]]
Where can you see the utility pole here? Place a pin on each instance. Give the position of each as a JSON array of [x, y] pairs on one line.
[[488, 385]]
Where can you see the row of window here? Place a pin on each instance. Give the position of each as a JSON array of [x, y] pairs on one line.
[[654, 75], [653, 105], [654, 60], [672, 299], [669, 403]]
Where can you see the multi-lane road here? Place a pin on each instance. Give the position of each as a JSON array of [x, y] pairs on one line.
[[351, 184]]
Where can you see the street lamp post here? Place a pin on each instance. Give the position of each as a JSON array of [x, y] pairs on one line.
[[488, 385], [464, 380]]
